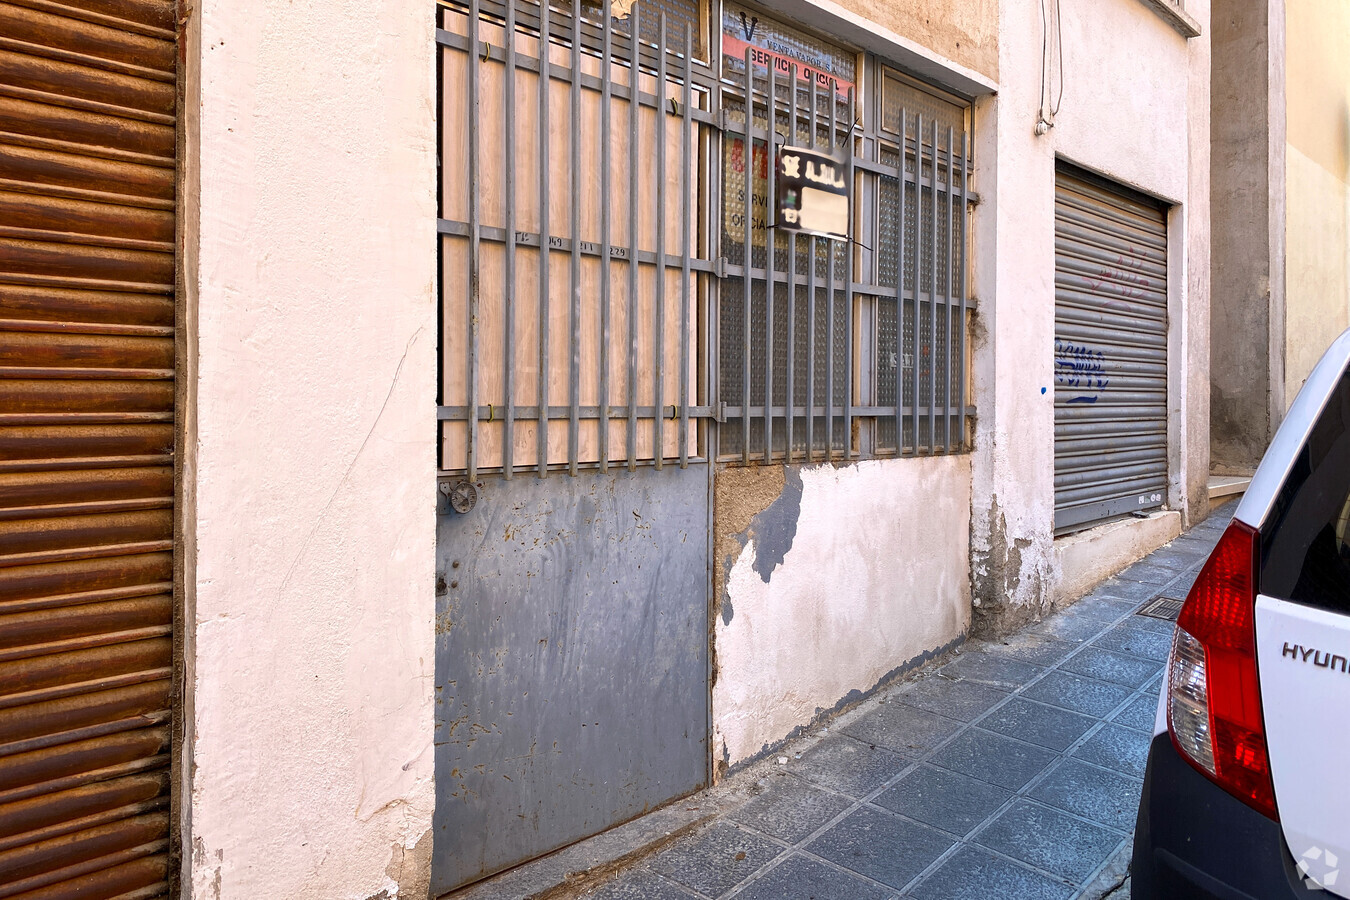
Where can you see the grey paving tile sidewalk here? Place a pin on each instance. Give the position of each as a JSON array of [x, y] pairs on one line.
[[1013, 771]]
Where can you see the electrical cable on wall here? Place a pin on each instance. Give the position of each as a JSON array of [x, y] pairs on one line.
[[1052, 66]]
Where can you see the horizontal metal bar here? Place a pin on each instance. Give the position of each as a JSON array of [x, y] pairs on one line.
[[734, 412], [873, 290], [1108, 327], [880, 168], [737, 129], [1097, 260], [1075, 291], [454, 228], [592, 32], [1086, 233], [1111, 469], [1125, 487], [454, 475], [1075, 517], [1108, 431], [493, 413], [882, 452], [730, 270], [708, 118], [1107, 212]]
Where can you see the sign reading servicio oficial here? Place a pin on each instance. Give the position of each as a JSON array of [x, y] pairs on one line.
[[772, 44]]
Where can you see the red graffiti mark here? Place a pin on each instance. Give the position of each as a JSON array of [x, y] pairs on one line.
[[1124, 279]]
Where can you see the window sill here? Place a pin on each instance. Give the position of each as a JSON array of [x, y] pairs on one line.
[[1175, 16]]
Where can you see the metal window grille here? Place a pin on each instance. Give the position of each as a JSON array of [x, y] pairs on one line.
[[598, 305], [571, 273], [784, 316], [812, 363], [914, 244]]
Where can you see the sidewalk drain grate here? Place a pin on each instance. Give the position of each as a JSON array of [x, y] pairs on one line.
[[1161, 607]]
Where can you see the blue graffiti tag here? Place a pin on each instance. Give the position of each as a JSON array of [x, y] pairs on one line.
[[1080, 368]]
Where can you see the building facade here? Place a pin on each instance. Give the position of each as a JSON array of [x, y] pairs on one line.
[[1280, 254], [472, 425]]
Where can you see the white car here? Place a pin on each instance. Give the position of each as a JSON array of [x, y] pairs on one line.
[[1247, 792]]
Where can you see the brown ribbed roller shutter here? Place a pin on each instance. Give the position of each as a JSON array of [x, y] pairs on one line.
[[87, 138]]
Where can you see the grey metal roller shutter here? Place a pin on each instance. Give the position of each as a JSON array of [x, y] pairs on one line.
[[1110, 351]]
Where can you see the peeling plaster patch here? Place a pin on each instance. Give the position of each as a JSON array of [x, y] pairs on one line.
[[998, 582], [774, 528], [410, 869], [739, 495], [201, 863], [843, 607]]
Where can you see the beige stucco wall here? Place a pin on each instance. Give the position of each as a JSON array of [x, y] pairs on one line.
[[309, 460], [963, 31], [1247, 178], [830, 579], [1131, 83], [883, 568], [1317, 223], [1191, 330]]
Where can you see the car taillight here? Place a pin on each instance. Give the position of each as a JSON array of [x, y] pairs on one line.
[[1214, 699]]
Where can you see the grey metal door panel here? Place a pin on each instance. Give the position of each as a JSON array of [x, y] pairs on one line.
[[1110, 351], [571, 662]]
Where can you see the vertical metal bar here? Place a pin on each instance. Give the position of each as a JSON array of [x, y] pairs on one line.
[[961, 292], [811, 305], [441, 369], [659, 374], [791, 375], [509, 287], [770, 248], [474, 244], [545, 237], [574, 313], [606, 97], [748, 164], [686, 239], [829, 348], [829, 302], [918, 261], [900, 298], [947, 298], [634, 143], [932, 302], [848, 284]]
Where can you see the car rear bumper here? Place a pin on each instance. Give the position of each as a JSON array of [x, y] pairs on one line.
[[1194, 839]]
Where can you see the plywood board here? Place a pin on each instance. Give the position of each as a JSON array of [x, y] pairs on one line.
[[571, 344]]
